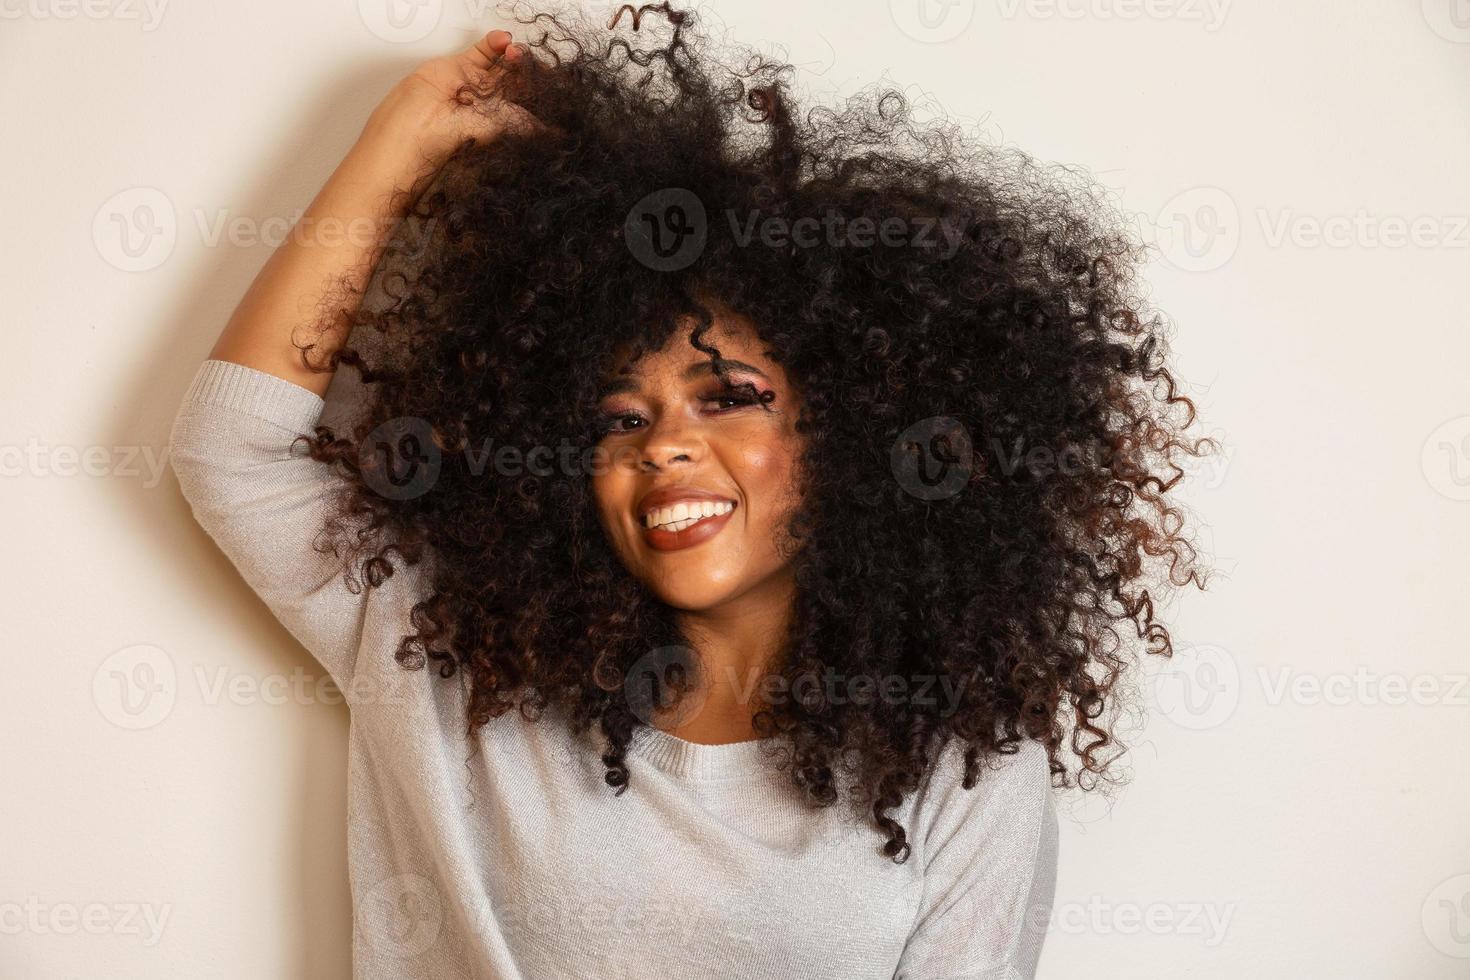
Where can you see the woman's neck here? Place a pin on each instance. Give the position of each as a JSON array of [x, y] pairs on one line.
[[736, 641]]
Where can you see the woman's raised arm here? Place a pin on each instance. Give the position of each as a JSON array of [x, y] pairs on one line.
[[338, 239], [234, 442]]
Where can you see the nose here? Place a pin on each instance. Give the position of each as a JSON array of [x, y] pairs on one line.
[[667, 444]]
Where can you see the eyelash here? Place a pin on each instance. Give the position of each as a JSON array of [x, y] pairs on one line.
[[740, 398]]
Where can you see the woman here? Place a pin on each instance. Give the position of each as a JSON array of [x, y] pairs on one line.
[[771, 493]]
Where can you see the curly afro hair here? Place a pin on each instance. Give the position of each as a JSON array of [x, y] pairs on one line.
[[991, 430]]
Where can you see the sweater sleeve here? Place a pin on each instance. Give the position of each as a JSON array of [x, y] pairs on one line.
[[990, 862], [263, 502]]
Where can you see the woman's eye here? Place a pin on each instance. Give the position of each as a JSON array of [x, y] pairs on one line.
[[614, 423], [719, 402], [727, 400]]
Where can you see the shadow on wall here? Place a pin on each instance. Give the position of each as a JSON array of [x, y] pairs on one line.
[[315, 912]]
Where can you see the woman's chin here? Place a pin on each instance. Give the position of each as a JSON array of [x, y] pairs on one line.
[[694, 586], [694, 596]]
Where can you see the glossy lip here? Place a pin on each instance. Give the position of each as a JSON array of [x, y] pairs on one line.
[[660, 539]]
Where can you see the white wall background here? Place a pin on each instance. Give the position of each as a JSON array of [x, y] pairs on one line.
[[1299, 803]]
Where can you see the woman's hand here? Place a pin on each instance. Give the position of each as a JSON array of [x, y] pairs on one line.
[[421, 119], [338, 239]]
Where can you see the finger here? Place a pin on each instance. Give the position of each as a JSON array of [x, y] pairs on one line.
[[488, 49]]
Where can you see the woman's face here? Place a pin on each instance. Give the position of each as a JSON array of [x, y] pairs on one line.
[[702, 479]]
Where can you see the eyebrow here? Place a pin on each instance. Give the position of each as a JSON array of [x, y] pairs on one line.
[[619, 385]]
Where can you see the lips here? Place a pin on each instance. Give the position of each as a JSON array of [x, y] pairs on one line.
[[680, 513]]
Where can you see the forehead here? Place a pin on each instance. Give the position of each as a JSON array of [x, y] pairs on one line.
[[734, 337]]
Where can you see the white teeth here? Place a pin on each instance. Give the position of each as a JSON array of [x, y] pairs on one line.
[[685, 513]]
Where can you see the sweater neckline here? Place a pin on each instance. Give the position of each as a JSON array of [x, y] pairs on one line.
[[697, 760]]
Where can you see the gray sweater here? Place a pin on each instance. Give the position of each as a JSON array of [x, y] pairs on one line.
[[511, 857]]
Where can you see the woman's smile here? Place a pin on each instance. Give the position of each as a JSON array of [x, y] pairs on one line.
[[674, 518]]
